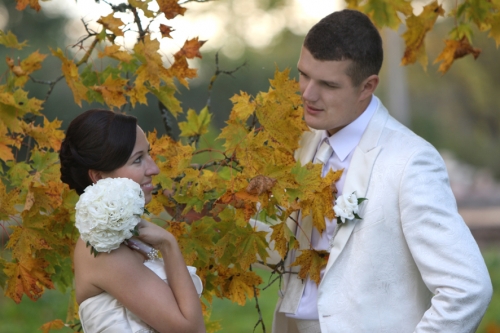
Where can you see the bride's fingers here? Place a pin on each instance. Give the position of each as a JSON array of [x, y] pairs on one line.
[[142, 224]]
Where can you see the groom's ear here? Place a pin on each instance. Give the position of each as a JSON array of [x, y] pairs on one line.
[[94, 175], [368, 86]]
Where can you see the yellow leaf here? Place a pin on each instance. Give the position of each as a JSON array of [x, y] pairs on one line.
[[243, 107], [152, 69], [70, 71], [48, 136], [14, 106], [27, 276], [385, 12], [495, 28], [138, 94], [170, 8], [114, 51], [33, 62], [176, 157], [238, 285], [196, 125], [112, 23], [143, 5], [281, 236], [112, 91], [417, 28], [8, 200], [311, 262]]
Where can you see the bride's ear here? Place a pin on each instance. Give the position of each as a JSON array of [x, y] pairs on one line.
[[94, 175]]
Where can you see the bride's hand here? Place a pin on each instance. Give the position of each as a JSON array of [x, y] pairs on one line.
[[154, 235]]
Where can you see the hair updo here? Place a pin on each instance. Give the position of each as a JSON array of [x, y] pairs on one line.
[[97, 139]]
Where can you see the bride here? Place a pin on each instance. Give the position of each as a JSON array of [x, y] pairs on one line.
[[122, 291]]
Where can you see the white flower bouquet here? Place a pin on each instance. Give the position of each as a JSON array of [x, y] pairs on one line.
[[108, 212]]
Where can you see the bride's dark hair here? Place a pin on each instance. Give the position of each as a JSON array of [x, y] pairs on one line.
[[97, 139]]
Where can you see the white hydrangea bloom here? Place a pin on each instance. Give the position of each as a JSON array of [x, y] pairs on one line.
[[107, 211]]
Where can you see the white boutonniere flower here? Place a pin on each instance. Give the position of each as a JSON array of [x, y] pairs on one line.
[[347, 207], [108, 212]]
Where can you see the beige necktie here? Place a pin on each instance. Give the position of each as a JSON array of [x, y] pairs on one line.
[[324, 153]]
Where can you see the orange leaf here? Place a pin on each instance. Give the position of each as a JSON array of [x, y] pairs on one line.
[[166, 30], [455, 49], [311, 262], [52, 325], [190, 49], [180, 69], [170, 8], [112, 23], [5, 143], [21, 4], [27, 276]]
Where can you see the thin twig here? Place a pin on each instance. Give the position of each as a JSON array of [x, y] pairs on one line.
[[218, 71], [257, 306]]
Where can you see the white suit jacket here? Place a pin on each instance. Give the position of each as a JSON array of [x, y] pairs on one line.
[[410, 264]]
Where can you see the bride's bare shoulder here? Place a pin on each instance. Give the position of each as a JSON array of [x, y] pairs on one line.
[[91, 272]]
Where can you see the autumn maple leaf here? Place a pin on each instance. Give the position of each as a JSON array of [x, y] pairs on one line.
[[453, 50], [311, 262]]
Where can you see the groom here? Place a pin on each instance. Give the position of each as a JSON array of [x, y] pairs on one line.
[[410, 264]]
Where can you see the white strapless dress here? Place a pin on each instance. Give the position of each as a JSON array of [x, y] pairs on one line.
[[104, 314]]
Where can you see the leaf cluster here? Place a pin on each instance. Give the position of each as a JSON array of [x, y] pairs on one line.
[[483, 14]]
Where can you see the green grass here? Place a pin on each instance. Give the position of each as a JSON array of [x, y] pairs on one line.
[[29, 316]]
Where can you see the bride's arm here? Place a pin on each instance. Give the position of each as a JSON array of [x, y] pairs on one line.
[[172, 307]]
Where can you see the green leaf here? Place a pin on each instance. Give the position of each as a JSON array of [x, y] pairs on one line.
[[166, 96], [10, 40], [196, 125]]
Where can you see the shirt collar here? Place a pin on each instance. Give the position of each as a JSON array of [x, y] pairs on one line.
[[344, 141]]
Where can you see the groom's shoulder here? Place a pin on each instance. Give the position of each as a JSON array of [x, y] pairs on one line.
[[401, 138]]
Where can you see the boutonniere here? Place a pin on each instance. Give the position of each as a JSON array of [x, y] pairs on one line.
[[347, 207]]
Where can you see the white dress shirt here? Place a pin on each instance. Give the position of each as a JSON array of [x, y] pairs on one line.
[[343, 143]]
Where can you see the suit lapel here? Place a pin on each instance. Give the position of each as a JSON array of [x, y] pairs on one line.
[[358, 176]]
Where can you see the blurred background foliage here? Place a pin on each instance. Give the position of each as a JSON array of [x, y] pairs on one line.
[[457, 112]]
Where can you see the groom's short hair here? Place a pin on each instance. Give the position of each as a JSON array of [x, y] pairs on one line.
[[347, 34]]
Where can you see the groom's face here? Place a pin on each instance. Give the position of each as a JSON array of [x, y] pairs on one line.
[[330, 100]]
